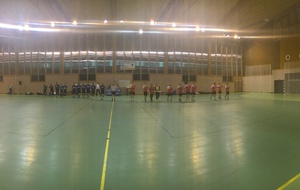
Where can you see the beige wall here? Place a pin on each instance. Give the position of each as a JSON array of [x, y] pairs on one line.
[[291, 47], [203, 82], [261, 52]]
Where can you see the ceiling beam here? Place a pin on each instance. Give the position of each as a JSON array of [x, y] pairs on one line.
[[166, 10]]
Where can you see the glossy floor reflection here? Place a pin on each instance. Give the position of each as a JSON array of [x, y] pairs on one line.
[[250, 141]]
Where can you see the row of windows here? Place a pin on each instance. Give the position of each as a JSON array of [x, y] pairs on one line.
[[102, 62], [87, 63]]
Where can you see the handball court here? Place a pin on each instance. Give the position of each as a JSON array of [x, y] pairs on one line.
[[250, 141]]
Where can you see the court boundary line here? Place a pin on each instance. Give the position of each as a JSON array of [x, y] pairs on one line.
[[63, 122], [289, 182], [102, 182]]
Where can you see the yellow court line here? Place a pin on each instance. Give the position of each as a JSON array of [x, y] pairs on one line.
[[106, 150], [289, 182]]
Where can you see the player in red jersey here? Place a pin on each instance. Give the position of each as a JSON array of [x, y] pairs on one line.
[[213, 91], [193, 87], [145, 91], [187, 91], [151, 92], [179, 90], [132, 91], [220, 86], [169, 92], [227, 87]]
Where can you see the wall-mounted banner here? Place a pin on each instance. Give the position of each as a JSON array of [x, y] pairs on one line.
[[127, 65]]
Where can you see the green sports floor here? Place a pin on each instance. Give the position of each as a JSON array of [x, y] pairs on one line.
[[249, 142]]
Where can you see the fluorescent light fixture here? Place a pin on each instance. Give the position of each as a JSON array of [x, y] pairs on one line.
[[26, 27]]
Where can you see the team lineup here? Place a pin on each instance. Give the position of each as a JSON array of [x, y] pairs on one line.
[[92, 90]]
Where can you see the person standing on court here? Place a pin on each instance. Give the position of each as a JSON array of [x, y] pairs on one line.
[[98, 89], [102, 90], [179, 90], [169, 92], [10, 89], [88, 90], [56, 89], [78, 89], [187, 91], [113, 89], [132, 91], [51, 89], [93, 88], [65, 89], [145, 91], [61, 90], [213, 91], [45, 89], [157, 91], [227, 87], [74, 89], [83, 90], [220, 86], [151, 92], [193, 87]]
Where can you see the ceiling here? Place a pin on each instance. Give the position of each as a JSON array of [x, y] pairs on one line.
[[240, 16]]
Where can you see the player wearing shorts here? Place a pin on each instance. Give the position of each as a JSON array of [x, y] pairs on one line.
[[93, 88], [213, 91], [102, 90], [78, 90], [61, 90], [169, 92], [83, 90], [56, 89], [132, 91], [74, 89], [157, 91], [187, 91], [220, 86], [227, 87], [88, 90], [113, 89], [51, 89], [145, 91], [98, 89], [151, 91], [193, 87], [179, 90]]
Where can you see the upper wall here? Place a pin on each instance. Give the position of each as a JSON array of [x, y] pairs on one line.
[[261, 52], [289, 47]]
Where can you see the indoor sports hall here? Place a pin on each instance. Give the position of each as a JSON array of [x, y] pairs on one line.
[[149, 94]]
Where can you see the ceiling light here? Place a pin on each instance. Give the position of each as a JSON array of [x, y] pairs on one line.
[[74, 22], [173, 24], [141, 31], [26, 27], [105, 21], [20, 28]]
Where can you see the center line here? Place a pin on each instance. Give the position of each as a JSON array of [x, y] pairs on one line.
[[106, 150]]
